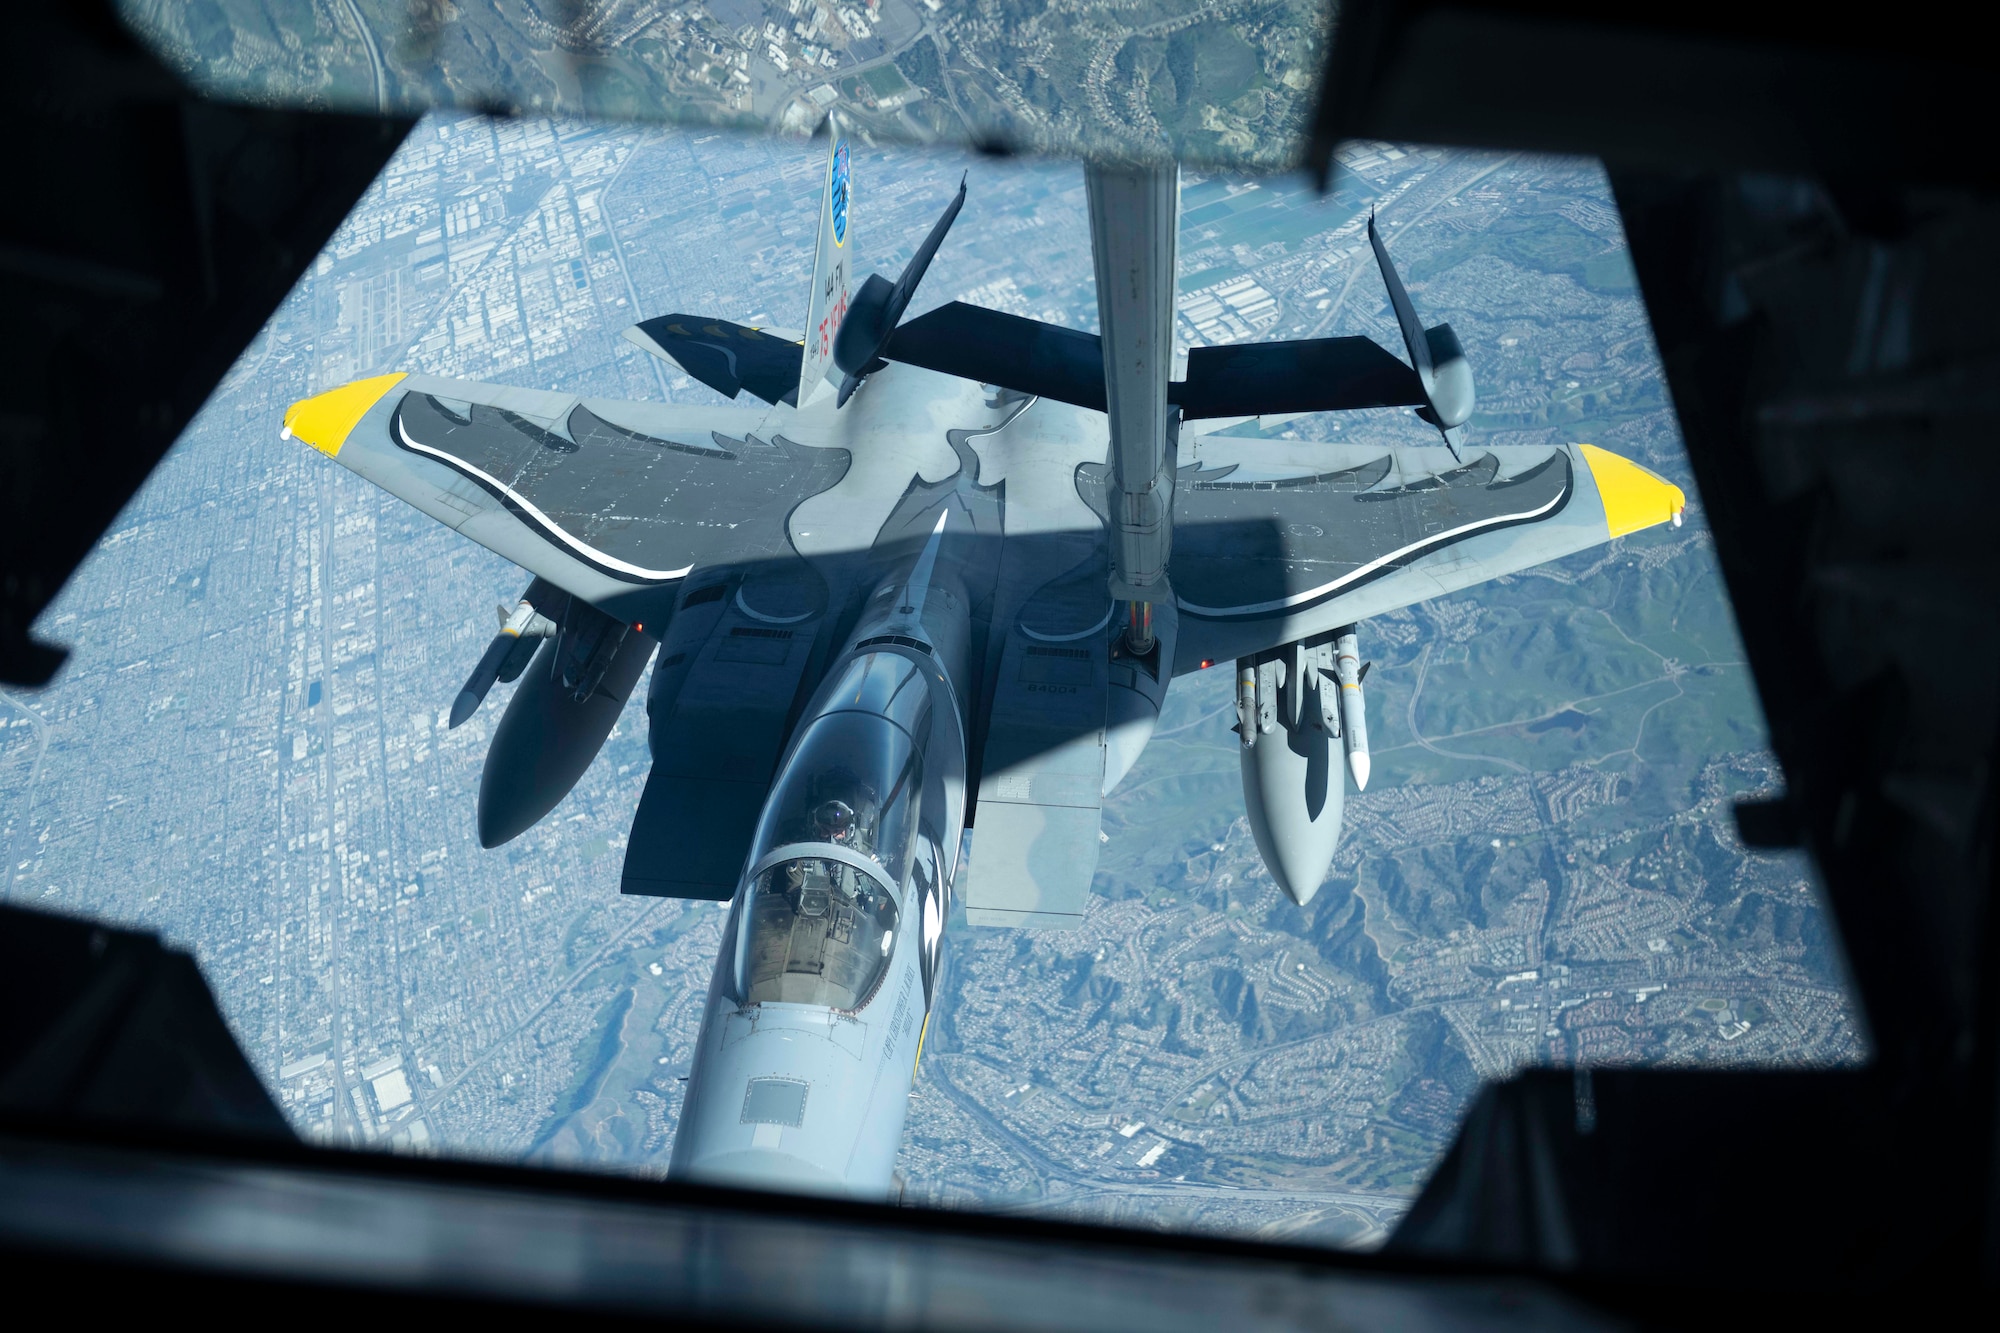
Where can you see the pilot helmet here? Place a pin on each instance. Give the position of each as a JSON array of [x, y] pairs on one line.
[[834, 821]]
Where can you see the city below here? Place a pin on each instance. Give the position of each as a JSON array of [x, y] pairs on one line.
[[247, 750]]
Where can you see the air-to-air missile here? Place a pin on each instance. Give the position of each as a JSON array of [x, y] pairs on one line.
[[522, 629], [1353, 714]]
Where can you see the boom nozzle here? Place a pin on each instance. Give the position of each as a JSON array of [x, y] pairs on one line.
[[1139, 629]]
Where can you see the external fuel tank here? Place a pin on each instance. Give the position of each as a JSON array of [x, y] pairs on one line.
[[1294, 783], [548, 735]]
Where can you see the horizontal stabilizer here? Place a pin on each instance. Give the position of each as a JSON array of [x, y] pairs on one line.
[[1308, 375], [728, 358], [1049, 361], [992, 347]]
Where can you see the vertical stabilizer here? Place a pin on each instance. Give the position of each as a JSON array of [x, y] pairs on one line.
[[831, 265], [1435, 353]]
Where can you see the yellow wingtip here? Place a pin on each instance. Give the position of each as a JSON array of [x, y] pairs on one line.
[[1634, 498], [325, 420]]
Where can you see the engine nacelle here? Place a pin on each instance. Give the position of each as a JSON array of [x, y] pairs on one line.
[[569, 699], [1294, 783]]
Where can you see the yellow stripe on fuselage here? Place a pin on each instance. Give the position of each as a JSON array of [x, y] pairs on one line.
[[1634, 498], [325, 420]]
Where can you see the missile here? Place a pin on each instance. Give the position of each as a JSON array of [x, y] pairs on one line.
[[1353, 714], [1326, 687], [1246, 701], [521, 630], [473, 692]]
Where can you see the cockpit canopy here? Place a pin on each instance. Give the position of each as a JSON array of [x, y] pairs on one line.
[[819, 925], [817, 931], [856, 777]]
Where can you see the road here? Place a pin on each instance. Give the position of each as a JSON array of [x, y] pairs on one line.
[[375, 62], [1379, 1209], [637, 312], [577, 974], [1423, 669], [1356, 270], [1670, 675]]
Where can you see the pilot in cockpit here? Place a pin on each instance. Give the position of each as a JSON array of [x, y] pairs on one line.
[[845, 812], [834, 822]]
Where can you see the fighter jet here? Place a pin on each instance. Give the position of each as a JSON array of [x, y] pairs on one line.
[[933, 574]]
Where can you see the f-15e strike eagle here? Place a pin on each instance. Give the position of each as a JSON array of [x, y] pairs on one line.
[[940, 576]]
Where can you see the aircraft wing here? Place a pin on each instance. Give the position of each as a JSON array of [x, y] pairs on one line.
[[613, 501], [1270, 548]]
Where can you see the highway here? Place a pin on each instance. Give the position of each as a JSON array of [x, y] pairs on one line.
[[1380, 1210], [380, 69]]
